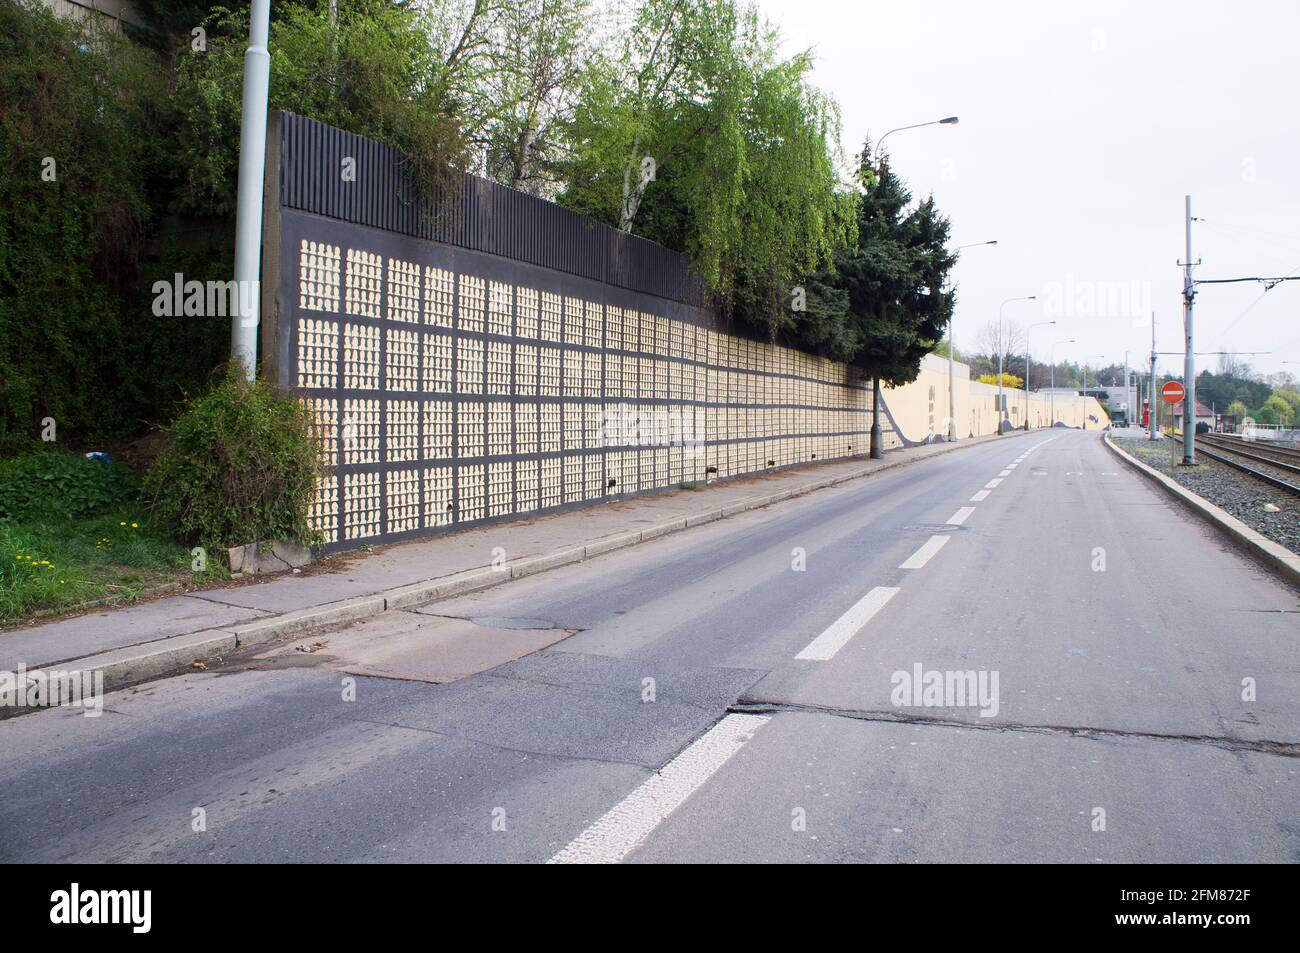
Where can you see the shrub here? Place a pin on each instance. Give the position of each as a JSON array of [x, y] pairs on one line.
[[55, 484], [239, 465]]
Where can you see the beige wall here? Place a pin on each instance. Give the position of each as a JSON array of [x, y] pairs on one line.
[[920, 409]]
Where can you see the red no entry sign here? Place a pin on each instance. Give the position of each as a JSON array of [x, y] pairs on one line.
[[1173, 392]]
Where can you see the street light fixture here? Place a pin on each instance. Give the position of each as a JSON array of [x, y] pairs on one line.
[[950, 121], [1027, 362], [877, 451], [952, 375], [1001, 348], [1052, 385]]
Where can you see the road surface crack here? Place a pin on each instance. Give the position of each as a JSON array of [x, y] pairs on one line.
[[1286, 749]]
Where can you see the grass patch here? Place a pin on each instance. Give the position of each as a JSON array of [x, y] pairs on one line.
[[50, 564]]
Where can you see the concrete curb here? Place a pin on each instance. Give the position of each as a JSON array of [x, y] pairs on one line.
[[174, 655], [123, 668], [1251, 542]]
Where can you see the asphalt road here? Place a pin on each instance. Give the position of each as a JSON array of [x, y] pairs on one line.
[[734, 693]]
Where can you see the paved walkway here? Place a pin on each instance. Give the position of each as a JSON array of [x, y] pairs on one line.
[[363, 574]]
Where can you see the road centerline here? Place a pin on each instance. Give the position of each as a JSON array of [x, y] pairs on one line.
[[960, 517], [629, 822], [838, 633], [926, 552]]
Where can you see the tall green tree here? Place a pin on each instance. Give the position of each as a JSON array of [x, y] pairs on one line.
[[545, 45], [885, 301], [693, 131]]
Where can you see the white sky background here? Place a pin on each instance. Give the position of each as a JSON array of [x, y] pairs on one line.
[[1083, 125]]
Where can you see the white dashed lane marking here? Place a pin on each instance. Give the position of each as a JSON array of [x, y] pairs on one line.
[[980, 497], [837, 635], [633, 819], [960, 516], [925, 553]]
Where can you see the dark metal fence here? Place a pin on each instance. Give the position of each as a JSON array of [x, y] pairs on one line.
[[472, 213]]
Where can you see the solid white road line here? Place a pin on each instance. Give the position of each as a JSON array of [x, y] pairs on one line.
[[993, 484], [980, 497], [960, 516], [635, 817], [824, 647], [922, 555]]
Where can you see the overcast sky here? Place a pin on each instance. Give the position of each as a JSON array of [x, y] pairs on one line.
[[1083, 125]]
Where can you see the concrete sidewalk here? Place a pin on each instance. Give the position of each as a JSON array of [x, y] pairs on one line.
[[148, 640]]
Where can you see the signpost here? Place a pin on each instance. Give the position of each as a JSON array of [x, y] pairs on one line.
[[1171, 393]]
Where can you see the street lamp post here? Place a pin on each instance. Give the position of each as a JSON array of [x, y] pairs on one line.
[[949, 121], [1040, 324], [877, 451], [952, 374], [1052, 385], [1001, 349], [248, 202]]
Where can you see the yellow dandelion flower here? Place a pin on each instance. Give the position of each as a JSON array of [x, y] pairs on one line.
[[135, 525]]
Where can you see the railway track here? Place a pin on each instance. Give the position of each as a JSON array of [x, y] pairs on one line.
[[1236, 464], [1273, 456]]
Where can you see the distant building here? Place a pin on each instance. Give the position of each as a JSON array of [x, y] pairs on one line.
[[1203, 415]]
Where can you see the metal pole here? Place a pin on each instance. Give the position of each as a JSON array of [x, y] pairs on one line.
[[1001, 347], [1151, 387], [1027, 380], [952, 374], [1001, 351], [952, 389], [1189, 361], [1128, 403], [877, 451], [252, 167], [1028, 361]]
